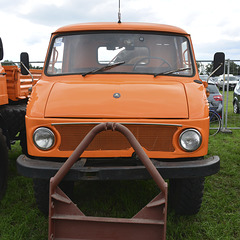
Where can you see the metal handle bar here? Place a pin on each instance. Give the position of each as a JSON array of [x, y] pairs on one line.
[[132, 140]]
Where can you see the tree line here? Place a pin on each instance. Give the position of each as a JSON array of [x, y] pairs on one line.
[[207, 69], [11, 63]]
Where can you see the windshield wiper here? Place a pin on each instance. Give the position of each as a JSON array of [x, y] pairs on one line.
[[172, 71], [104, 68]]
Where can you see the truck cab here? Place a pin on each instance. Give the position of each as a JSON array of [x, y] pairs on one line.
[[143, 76]]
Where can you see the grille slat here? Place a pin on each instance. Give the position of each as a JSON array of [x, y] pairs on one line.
[[151, 137]]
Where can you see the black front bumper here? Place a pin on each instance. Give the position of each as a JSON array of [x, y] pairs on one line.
[[81, 171]]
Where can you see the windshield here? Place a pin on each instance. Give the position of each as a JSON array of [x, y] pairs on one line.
[[139, 53], [232, 78]]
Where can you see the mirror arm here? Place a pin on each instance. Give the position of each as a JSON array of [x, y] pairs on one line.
[[27, 70], [214, 72]]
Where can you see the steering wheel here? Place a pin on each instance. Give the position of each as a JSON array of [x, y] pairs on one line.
[[148, 58]]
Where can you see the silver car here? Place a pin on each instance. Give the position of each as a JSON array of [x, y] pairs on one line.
[[236, 99], [233, 80]]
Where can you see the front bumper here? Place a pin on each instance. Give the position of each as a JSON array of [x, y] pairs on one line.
[[101, 170]]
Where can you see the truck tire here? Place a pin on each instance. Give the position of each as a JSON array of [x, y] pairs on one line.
[[41, 192], [235, 107], [3, 164], [185, 195], [14, 117], [23, 141]]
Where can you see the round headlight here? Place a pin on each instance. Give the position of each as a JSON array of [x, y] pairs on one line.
[[190, 140], [43, 138]]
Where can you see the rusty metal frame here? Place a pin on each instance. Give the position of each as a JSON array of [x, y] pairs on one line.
[[66, 221]]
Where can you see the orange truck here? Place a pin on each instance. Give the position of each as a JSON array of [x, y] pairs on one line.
[[14, 91], [143, 76]]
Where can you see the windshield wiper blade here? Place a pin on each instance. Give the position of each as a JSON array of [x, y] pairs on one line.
[[104, 68], [172, 71]]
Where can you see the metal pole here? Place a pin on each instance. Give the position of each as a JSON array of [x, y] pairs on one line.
[[225, 116], [223, 97], [119, 12], [226, 113]]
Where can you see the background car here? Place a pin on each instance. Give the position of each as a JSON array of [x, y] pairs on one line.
[[233, 80], [214, 98], [236, 99], [205, 77]]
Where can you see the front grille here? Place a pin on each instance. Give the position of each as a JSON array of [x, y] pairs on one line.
[[151, 137]]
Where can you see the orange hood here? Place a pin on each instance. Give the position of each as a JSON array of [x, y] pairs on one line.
[[126, 100]]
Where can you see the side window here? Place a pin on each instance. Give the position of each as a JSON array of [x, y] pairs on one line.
[[129, 56], [56, 60], [186, 55], [106, 55]]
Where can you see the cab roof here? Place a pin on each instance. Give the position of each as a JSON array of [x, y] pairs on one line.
[[121, 26]]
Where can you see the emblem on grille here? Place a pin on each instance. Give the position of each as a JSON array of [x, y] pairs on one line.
[[116, 95]]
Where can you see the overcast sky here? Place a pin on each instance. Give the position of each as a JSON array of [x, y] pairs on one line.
[[26, 25]]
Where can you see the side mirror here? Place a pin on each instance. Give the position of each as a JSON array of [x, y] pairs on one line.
[[218, 64], [24, 62], [1, 50]]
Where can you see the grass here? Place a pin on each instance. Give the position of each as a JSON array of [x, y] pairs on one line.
[[19, 216], [218, 219]]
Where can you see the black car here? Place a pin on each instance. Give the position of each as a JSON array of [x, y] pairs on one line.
[[236, 99]]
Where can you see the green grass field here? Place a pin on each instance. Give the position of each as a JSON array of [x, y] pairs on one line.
[[219, 217]]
